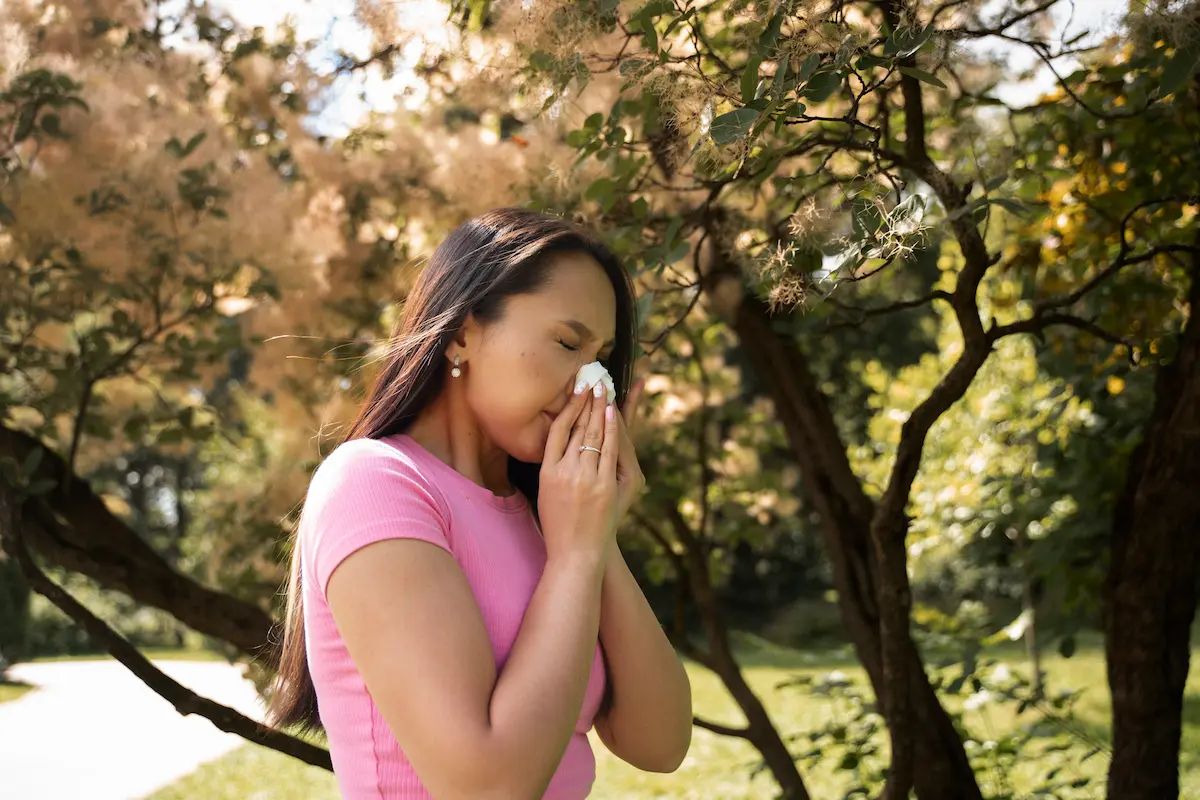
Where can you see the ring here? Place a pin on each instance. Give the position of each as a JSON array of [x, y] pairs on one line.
[[583, 447]]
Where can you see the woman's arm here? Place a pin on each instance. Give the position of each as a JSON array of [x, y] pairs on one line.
[[649, 722], [412, 626]]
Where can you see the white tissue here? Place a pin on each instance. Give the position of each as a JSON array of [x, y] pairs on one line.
[[589, 374]]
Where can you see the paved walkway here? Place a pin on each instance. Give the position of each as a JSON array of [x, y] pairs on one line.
[[93, 731]]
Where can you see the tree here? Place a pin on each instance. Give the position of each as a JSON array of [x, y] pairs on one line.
[[774, 108]]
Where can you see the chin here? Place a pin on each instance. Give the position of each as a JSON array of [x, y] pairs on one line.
[[531, 448]]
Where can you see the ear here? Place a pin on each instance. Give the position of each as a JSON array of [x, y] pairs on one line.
[[466, 340]]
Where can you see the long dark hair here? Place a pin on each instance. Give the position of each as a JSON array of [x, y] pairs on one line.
[[483, 262]]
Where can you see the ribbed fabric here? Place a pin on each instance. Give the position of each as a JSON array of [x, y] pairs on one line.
[[368, 490]]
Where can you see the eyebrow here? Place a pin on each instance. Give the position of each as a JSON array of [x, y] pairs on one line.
[[584, 331]]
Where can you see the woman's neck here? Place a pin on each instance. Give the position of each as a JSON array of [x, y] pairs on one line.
[[448, 431]]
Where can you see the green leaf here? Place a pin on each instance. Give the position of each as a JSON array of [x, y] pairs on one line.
[[632, 65], [1015, 207], [542, 60], [655, 8], [650, 37], [1066, 646], [644, 304], [821, 85], [770, 34], [808, 67], [31, 461], [870, 61], [193, 143], [733, 125], [24, 124], [1178, 69], [922, 75], [40, 487], [995, 182], [678, 252], [600, 189], [52, 125], [779, 81], [673, 230], [750, 78], [906, 41]]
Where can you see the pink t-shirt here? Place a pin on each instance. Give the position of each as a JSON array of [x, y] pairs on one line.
[[368, 490]]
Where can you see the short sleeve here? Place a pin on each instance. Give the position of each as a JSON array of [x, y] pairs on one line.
[[366, 491]]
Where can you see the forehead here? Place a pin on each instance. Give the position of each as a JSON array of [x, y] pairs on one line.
[[578, 288]]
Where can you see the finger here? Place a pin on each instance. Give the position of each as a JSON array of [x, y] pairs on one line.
[[633, 396], [609, 446], [577, 433], [594, 435], [624, 439], [560, 429], [633, 399]]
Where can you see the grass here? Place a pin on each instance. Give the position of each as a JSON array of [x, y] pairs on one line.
[[152, 653], [12, 690], [719, 766]]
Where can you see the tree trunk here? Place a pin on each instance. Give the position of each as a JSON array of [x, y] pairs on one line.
[[1150, 591], [942, 771], [760, 730]]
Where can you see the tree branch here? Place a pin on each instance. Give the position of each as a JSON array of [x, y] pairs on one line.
[[724, 730], [81, 534], [862, 314], [184, 700], [1124, 259], [1038, 323]]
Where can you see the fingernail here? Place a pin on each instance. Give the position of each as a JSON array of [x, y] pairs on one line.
[[580, 386], [598, 389], [609, 411]]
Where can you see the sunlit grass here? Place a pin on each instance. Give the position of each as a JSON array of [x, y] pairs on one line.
[[152, 653], [11, 691], [720, 767]]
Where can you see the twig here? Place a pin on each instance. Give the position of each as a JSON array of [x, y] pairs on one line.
[[863, 314], [724, 730]]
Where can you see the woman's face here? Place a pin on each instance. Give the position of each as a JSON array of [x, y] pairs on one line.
[[521, 370]]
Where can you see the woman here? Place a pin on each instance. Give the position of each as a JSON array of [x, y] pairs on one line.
[[458, 608]]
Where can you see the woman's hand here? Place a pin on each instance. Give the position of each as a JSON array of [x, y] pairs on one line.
[[630, 480], [577, 494]]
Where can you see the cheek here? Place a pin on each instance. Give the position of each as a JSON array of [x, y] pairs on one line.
[[512, 391]]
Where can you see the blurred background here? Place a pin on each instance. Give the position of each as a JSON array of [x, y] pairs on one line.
[[916, 290]]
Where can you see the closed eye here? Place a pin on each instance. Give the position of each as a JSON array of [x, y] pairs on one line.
[[572, 349]]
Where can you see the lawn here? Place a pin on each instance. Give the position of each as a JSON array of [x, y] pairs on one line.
[[720, 767], [152, 653], [11, 691]]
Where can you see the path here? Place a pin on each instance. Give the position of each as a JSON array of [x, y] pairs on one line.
[[92, 730]]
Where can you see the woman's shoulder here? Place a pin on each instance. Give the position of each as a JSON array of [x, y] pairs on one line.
[[371, 466]]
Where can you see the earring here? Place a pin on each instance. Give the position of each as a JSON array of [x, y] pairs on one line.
[[456, 371]]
